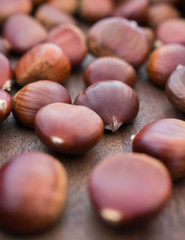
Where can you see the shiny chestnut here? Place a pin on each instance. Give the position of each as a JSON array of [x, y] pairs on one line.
[[5, 105], [5, 73]]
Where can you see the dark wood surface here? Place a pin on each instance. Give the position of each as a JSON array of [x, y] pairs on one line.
[[79, 221]]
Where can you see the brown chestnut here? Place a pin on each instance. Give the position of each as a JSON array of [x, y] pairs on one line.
[[171, 31], [128, 189], [69, 6], [5, 73], [163, 61], [68, 128], [119, 37], [71, 40], [45, 61], [23, 32], [114, 101], [108, 68], [159, 12], [175, 88], [31, 98], [51, 16], [95, 10], [133, 10], [165, 140], [5, 105], [33, 190]]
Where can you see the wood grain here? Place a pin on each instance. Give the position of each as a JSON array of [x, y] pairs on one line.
[[79, 221]]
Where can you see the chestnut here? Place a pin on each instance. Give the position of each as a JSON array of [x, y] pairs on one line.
[[135, 10], [171, 31], [107, 38], [23, 32], [4, 46], [68, 128], [44, 61], [71, 40], [163, 61], [94, 10], [69, 6], [32, 97], [5, 105], [128, 189], [114, 101], [51, 16], [175, 88], [165, 140], [108, 68], [33, 190], [5, 73]]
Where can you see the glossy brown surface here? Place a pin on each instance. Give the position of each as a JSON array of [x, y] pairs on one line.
[[51, 16], [69, 6], [23, 32], [110, 68], [31, 98], [45, 61], [5, 73], [67, 128], [71, 40], [107, 38], [129, 188], [171, 31], [163, 61], [165, 140], [5, 105], [114, 101], [175, 89], [33, 190]]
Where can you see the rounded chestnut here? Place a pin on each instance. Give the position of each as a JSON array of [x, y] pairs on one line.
[[33, 190], [45, 61], [163, 61], [165, 140], [31, 98], [71, 40], [68, 128], [69, 6], [23, 32], [51, 16], [5, 105], [5, 73], [114, 101], [128, 189], [108, 68], [175, 88], [107, 38], [171, 31]]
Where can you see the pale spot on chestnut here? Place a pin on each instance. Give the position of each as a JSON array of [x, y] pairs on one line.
[[114, 126], [3, 105], [111, 215], [57, 140], [132, 137], [7, 85]]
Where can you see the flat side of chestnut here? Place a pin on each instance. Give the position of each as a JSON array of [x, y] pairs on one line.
[[128, 189], [5, 105], [164, 139], [5, 73]]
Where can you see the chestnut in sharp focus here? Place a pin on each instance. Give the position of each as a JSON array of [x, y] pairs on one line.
[[5, 73], [5, 105]]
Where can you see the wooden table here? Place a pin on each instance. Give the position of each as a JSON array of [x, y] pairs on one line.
[[79, 221]]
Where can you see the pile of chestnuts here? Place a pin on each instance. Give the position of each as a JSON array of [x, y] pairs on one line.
[[124, 189]]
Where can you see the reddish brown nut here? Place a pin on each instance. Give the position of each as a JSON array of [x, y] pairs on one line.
[[163, 61], [68, 128], [175, 88], [12, 7], [165, 140], [5, 105], [23, 32], [5, 73], [95, 10], [107, 38], [51, 16], [114, 101], [31, 98], [171, 31], [127, 189], [160, 12], [71, 40], [69, 6], [4, 46], [133, 10], [33, 190], [45, 61], [108, 68]]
